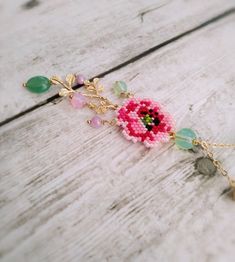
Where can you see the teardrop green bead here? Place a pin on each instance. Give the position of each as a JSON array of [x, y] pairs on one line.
[[119, 87], [184, 138], [38, 84]]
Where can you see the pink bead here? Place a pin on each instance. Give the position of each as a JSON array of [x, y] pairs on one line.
[[96, 122], [80, 79], [78, 100]]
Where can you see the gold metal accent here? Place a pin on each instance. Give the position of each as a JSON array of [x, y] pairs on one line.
[[98, 103], [221, 145], [111, 122], [67, 89], [172, 135], [206, 146], [126, 95]]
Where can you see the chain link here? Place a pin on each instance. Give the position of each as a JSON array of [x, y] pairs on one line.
[[221, 145], [207, 149]]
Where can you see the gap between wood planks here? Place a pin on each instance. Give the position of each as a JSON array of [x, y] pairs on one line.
[[129, 61]]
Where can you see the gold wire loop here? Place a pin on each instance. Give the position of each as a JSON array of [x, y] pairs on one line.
[[126, 95], [172, 135], [111, 122]]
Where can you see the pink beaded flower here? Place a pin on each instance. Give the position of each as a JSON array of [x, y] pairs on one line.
[[144, 120]]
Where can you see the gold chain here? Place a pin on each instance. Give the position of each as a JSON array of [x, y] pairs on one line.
[[207, 149], [221, 145]]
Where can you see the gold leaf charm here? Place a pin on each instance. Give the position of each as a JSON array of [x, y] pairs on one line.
[[97, 102], [66, 85], [64, 92], [56, 80], [94, 86], [70, 79]]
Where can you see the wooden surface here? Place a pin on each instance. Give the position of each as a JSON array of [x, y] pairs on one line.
[[72, 193], [85, 36]]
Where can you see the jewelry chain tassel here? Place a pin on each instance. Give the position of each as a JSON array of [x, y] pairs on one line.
[[141, 119]]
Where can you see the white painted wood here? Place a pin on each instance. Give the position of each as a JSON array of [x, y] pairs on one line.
[[72, 193], [59, 37]]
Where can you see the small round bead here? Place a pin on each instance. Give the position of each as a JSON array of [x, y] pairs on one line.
[[119, 87], [96, 122], [80, 79], [184, 138], [78, 101]]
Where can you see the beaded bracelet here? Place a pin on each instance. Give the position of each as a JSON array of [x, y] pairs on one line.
[[140, 119]]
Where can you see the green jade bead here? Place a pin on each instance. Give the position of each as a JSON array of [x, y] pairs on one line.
[[119, 87], [38, 84], [184, 138]]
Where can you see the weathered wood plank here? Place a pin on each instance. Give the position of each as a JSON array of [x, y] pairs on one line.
[[72, 193], [43, 37]]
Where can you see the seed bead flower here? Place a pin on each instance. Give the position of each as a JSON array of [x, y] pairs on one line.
[[144, 120]]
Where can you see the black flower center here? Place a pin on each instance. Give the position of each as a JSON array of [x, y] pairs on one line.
[[150, 119]]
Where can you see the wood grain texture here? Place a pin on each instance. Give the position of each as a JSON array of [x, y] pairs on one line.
[[59, 37], [72, 193]]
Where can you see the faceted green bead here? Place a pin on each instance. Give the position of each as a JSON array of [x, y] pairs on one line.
[[184, 138], [119, 87], [38, 84]]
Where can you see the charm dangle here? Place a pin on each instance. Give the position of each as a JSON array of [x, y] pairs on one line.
[[91, 98], [207, 149], [140, 119], [98, 103]]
